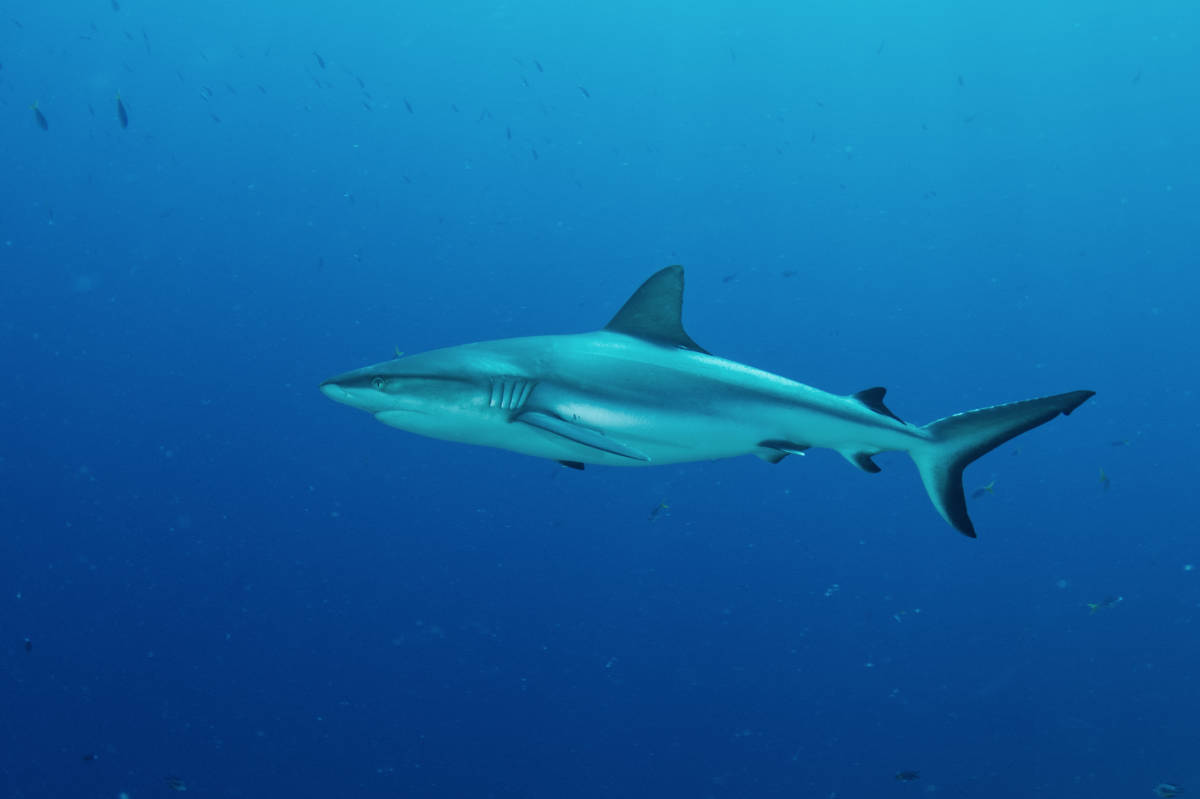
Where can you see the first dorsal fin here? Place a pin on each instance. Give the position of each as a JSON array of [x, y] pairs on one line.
[[873, 399], [655, 311]]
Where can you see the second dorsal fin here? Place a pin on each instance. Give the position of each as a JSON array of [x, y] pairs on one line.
[[873, 399], [655, 311]]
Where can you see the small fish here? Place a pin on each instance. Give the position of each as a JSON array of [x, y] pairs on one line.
[[115, 5], [361, 85], [524, 82], [879, 49], [399, 352], [1107, 602], [508, 133], [122, 116], [39, 117], [320, 61], [176, 784], [1120, 442], [960, 81], [215, 118], [535, 153], [1104, 481], [1137, 78], [657, 509], [1166, 789], [538, 64], [586, 93], [908, 776], [28, 645], [89, 757], [408, 105], [983, 491]]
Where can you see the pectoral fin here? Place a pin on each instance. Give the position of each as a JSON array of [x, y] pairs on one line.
[[579, 434]]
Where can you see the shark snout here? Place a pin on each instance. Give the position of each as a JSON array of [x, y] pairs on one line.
[[341, 388], [357, 390], [334, 391]]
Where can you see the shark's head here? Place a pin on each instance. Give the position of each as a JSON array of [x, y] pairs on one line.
[[403, 386], [448, 394]]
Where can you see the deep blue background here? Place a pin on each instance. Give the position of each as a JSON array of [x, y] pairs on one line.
[[229, 579]]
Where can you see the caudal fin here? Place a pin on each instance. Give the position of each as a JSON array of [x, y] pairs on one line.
[[959, 439]]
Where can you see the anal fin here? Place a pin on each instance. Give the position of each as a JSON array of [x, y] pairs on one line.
[[863, 461]]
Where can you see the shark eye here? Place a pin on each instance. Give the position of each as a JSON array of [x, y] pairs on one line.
[[378, 383]]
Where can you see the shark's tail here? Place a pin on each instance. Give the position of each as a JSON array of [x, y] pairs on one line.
[[959, 439]]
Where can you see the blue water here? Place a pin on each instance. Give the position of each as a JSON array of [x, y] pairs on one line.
[[226, 579]]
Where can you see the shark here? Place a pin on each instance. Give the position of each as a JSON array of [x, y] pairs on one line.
[[641, 392]]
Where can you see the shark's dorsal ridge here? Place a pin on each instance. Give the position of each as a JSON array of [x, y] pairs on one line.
[[655, 311]]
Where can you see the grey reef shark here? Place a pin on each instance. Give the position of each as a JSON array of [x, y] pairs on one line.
[[641, 392]]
